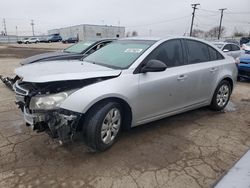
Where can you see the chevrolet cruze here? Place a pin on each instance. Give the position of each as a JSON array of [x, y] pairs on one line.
[[130, 82]]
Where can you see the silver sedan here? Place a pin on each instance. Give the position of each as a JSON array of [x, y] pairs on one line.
[[127, 83]]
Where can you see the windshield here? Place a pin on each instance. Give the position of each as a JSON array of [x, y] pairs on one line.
[[219, 45], [119, 54], [79, 47]]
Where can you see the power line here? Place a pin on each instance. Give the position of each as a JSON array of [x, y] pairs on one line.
[[155, 23], [222, 10], [230, 12], [213, 11], [193, 14]]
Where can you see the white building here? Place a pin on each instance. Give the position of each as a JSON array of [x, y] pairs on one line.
[[86, 31]]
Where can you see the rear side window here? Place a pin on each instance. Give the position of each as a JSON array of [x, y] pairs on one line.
[[227, 47], [170, 53], [235, 48], [214, 54], [197, 52]]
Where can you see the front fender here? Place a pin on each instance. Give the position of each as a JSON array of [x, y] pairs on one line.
[[81, 100]]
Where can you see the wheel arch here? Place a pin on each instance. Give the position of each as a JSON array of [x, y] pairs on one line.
[[126, 109], [229, 79]]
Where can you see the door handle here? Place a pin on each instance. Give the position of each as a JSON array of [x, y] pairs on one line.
[[182, 77], [213, 69]]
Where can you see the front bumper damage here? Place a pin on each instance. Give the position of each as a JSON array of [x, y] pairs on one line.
[[58, 123], [61, 124]]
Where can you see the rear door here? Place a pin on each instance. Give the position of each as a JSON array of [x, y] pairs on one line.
[[202, 71]]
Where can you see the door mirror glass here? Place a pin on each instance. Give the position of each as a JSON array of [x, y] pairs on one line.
[[225, 50], [154, 66]]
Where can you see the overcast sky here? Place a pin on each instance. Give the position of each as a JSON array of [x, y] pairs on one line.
[[158, 17]]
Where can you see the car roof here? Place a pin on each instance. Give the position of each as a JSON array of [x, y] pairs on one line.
[[223, 43], [156, 39]]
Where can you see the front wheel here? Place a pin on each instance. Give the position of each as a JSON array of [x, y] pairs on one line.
[[221, 96], [103, 125]]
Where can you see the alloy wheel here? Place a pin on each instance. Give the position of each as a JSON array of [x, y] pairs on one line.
[[223, 95], [111, 125]]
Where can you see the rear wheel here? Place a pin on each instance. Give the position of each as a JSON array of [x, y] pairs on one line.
[[103, 125], [221, 96]]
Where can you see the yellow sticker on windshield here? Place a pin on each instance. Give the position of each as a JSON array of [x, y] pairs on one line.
[[133, 50]]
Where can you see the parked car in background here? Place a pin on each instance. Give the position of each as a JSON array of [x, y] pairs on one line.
[[52, 38], [229, 48], [76, 51], [124, 84], [55, 38], [70, 40], [244, 65], [246, 47], [28, 40], [234, 41], [32, 40], [23, 40], [244, 40]]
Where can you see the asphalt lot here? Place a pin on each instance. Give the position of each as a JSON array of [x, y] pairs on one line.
[[193, 149]]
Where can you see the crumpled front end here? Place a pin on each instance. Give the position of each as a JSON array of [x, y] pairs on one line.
[[58, 123]]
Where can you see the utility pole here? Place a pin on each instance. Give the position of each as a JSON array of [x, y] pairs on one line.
[[4, 26], [16, 34], [150, 32], [222, 10], [32, 25], [193, 14]]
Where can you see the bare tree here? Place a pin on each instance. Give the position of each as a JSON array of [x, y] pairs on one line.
[[214, 32], [198, 33], [237, 33]]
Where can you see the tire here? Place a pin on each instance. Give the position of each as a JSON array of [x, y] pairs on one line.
[[97, 121], [221, 96]]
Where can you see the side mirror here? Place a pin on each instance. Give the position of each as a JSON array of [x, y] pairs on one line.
[[153, 66], [225, 50]]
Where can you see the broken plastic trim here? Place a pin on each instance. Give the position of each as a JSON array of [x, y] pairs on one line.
[[9, 82], [61, 124]]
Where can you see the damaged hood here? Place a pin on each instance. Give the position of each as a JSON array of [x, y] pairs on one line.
[[63, 70], [46, 56]]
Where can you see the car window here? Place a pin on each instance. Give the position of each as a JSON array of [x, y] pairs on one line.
[[214, 54], [235, 48], [169, 53], [197, 52], [79, 47], [97, 47], [227, 47], [218, 45]]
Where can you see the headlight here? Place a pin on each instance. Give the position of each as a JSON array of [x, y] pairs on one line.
[[49, 102]]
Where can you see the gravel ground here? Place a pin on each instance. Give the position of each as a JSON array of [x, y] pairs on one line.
[[192, 149]]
